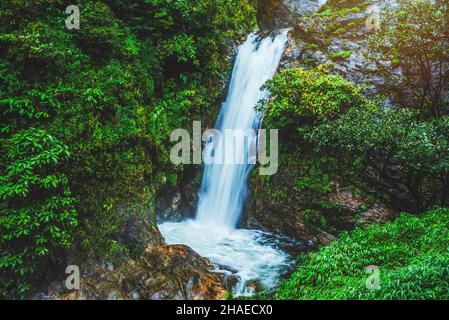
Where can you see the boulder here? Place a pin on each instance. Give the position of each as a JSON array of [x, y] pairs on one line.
[[162, 272]]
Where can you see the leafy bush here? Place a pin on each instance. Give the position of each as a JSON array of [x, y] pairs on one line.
[[302, 96], [37, 212], [414, 37], [404, 158], [411, 253]]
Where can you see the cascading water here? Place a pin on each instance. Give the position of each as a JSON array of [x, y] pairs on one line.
[[224, 186], [251, 254]]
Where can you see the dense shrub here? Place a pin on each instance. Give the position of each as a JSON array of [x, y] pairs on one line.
[[405, 159], [388, 151], [302, 97], [414, 37], [107, 95], [411, 253], [37, 210]]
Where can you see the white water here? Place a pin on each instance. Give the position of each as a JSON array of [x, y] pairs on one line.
[[248, 252], [251, 253], [224, 186]]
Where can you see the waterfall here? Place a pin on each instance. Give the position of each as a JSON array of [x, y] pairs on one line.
[[224, 185], [247, 254]]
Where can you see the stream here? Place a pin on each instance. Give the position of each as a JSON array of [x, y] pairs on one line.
[[251, 255]]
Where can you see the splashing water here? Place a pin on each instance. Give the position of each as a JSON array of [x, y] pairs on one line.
[[224, 186], [250, 253]]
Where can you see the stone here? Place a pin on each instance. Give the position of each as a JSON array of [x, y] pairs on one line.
[[173, 272]]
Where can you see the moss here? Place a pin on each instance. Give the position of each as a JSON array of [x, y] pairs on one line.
[[395, 63], [339, 55], [311, 46], [340, 30]]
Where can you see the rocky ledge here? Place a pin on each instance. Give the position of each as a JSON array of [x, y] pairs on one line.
[[168, 272]]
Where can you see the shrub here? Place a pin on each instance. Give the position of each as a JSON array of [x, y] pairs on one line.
[[37, 212], [411, 253], [398, 155], [302, 96]]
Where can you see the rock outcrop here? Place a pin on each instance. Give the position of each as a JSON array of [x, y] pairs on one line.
[[315, 218], [334, 31], [276, 14], [338, 33], [164, 272]]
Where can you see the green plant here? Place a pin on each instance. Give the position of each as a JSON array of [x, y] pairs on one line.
[[299, 94], [311, 46], [414, 36], [339, 31], [339, 55], [411, 254], [384, 138], [37, 212]]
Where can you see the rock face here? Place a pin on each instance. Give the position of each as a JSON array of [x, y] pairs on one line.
[[314, 218], [276, 14], [334, 31], [338, 33], [162, 272], [137, 231], [362, 212], [178, 202], [303, 7]]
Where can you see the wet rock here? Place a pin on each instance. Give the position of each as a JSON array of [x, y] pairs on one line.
[[137, 231], [231, 281], [135, 295], [162, 272], [112, 296], [253, 286], [170, 207], [353, 37], [175, 203], [363, 212]]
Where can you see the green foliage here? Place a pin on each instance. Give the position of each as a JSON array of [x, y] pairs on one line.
[[332, 20], [102, 35], [344, 5], [411, 254], [415, 38], [302, 96], [109, 93], [299, 191], [393, 149], [311, 46], [339, 55], [36, 210]]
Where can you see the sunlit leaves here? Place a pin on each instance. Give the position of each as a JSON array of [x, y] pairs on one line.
[[299, 94]]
